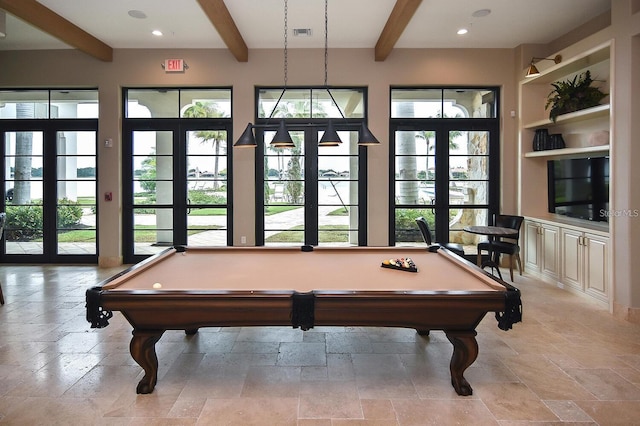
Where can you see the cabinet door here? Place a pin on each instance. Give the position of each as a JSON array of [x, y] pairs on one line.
[[550, 240], [572, 258], [532, 247], [596, 266]]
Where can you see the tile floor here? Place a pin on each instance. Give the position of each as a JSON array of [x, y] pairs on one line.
[[569, 362]]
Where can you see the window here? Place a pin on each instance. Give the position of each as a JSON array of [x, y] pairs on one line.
[[177, 169], [445, 162], [50, 174], [43, 104], [312, 195]]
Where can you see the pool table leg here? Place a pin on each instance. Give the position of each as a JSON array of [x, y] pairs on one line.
[[143, 351], [465, 352]]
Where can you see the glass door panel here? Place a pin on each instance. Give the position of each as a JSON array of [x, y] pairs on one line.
[[284, 192], [415, 183], [338, 192], [206, 182], [152, 163], [468, 183], [23, 187], [76, 193]]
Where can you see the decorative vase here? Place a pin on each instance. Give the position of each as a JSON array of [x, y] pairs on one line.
[[556, 141], [540, 140]]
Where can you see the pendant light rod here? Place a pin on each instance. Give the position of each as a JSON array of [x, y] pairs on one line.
[[282, 138]]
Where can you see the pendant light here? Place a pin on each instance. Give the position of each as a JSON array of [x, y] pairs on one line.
[[282, 138], [246, 140], [330, 136]]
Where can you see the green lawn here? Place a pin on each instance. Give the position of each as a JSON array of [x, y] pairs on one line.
[[277, 208], [326, 234], [143, 234]]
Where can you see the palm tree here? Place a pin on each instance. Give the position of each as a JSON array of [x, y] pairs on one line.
[[295, 109], [216, 137], [24, 146], [408, 191]]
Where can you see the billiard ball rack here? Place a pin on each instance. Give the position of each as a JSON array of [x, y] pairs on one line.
[[401, 264]]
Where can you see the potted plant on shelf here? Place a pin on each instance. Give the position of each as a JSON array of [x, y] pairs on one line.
[[573, 95]]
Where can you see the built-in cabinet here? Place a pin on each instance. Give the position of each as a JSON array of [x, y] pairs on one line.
[[570, 253], [584, 264], [568, 256], [541, 249]]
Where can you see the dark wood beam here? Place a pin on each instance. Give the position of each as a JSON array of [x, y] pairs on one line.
[[398, 20], [220, 17], [55, 25]]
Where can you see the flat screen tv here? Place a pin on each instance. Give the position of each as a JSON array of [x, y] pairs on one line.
[[579, 188]]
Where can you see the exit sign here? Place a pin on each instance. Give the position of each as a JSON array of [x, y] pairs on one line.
[[174, 65]]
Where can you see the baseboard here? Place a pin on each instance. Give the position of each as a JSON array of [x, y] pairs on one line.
[[626, 313], [109, 261]]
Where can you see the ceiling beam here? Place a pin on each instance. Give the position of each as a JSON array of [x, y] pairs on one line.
[[55, 25], [220, 17], [398, 20]]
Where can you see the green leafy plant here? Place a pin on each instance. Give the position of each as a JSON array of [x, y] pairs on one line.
[[573, 95], [24, 223]]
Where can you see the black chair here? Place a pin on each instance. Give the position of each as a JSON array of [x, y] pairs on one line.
[[3, 218], [504, 245], [426, 234]]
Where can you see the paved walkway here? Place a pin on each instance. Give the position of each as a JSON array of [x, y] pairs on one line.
[[278, 222]]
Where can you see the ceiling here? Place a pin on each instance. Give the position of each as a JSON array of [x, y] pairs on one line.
[[260, 24]]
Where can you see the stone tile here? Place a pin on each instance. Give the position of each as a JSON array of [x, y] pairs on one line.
[[605, 384], [461, 411], [513, 402], [568, 363], [612, 413], [329, 399], [250, 411], [568, 411]]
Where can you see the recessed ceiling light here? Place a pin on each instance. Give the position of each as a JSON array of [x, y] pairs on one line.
[[481, 13], [156, 33], [138, 14], [462, 31]]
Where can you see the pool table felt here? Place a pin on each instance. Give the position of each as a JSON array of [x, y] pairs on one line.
[[290, 269]]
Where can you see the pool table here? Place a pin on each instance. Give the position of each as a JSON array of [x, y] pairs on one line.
[[184, 288]]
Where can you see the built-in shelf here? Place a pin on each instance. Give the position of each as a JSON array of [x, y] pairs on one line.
[[599, 149], [572, 117]]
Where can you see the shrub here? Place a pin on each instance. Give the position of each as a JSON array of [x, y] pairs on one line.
[[406, 218], [202, 197], [26, 222], [69, 213]]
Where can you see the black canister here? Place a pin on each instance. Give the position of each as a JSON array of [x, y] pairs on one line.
[[556, 141], [540, 139]]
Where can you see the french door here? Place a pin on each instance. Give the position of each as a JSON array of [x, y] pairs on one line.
[[176, 177], [311, 195], [446, 170], [50, 188]]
